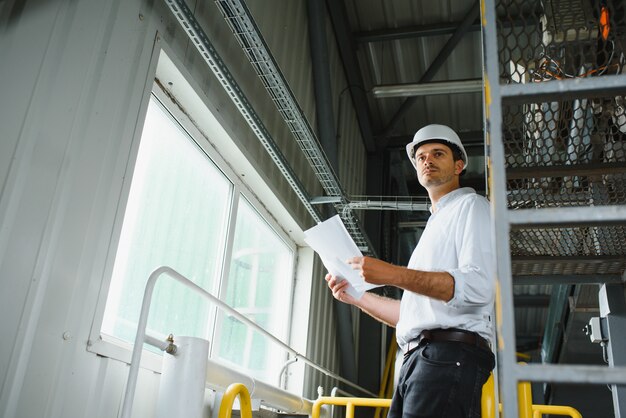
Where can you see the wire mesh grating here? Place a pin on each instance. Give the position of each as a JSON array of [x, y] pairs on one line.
[[564, 152]]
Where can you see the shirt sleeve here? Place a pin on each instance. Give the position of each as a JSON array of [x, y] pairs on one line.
[[474, 277]]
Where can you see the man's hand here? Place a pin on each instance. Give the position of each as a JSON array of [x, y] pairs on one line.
[[373, 270], [338, 286]]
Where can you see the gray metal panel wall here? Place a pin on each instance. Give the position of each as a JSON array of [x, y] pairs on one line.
[[323, 345], [74, 74]]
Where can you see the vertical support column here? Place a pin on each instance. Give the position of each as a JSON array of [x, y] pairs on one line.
[[613, 308], [505, 319], [316, 10]]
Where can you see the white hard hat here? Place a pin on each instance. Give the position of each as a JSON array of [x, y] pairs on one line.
[[434, 133]]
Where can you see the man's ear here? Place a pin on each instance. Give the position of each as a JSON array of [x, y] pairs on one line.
[[458, 167]]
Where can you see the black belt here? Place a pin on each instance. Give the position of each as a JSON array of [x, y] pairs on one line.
[[448, 335]]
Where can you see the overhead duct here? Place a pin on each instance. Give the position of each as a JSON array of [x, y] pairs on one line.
[[239, 19]]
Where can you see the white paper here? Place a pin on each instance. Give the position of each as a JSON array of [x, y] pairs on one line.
[[331, 241]]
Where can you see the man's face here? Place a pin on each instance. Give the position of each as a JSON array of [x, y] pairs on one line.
[[435, 165]]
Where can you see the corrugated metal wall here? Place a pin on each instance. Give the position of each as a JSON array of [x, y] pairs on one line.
[[322, 336], [74, 77]]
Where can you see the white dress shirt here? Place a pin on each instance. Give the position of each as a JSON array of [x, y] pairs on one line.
[[457, 239]]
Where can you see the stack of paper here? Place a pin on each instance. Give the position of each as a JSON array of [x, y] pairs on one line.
[[331, 241]]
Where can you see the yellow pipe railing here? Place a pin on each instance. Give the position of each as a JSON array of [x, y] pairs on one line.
[[488, 398], [488, 403], [539, 410], [527, 409], [349, 403], [226, 407]]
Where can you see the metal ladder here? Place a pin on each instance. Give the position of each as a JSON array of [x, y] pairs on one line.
[[497, 96]]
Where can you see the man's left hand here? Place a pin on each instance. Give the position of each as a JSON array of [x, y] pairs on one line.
[[373, 270]]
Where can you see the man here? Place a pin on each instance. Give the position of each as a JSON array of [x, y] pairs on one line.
[[443, 322]]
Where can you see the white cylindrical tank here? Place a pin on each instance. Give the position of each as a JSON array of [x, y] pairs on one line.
[[181, 390]]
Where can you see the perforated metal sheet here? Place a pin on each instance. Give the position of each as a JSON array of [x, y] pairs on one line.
[[566, 251]]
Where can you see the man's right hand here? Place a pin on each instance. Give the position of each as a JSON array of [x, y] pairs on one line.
[[338, 286]]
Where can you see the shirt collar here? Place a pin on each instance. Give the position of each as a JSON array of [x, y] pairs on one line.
[[451, 197]]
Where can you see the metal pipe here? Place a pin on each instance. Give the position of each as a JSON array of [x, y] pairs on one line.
[[333, 393], [140, 337], [335, 390], [220, 377], [284, 368], [428, 89], [411, 205], [166, 345]]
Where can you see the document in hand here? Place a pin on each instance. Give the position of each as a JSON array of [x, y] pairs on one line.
[[331, 241]]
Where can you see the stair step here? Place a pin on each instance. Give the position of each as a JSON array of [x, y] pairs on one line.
[[568, 216], [571, 373], [610, 85]]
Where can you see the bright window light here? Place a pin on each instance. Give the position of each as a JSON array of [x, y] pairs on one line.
[[259, 285], [177, 215]]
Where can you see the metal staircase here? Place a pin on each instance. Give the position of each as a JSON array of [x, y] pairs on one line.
[[556, 139]]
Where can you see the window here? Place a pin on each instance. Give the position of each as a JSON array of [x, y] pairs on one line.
[[179, 214], [259, 259]]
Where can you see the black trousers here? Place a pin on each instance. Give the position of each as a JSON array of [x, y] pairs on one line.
[[442, 379]]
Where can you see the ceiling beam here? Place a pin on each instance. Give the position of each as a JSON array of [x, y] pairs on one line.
[[352, 70], [441, 28], [435, 29], [438, 62]]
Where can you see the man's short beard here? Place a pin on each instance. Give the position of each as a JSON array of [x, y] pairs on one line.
[[437, 181]]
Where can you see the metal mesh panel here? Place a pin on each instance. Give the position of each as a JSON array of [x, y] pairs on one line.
[[559, 39], [567, 251], [566, 150]]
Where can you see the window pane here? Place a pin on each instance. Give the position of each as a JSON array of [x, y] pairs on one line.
[[258, 286], [176, 215]]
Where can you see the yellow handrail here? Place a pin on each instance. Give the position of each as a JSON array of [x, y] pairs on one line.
[[488, 399], [488, 404], [226, 407], [524, 400], [539, 410], [349, 403]]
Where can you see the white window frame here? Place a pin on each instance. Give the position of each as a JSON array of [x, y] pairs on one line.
[[163, 67]]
